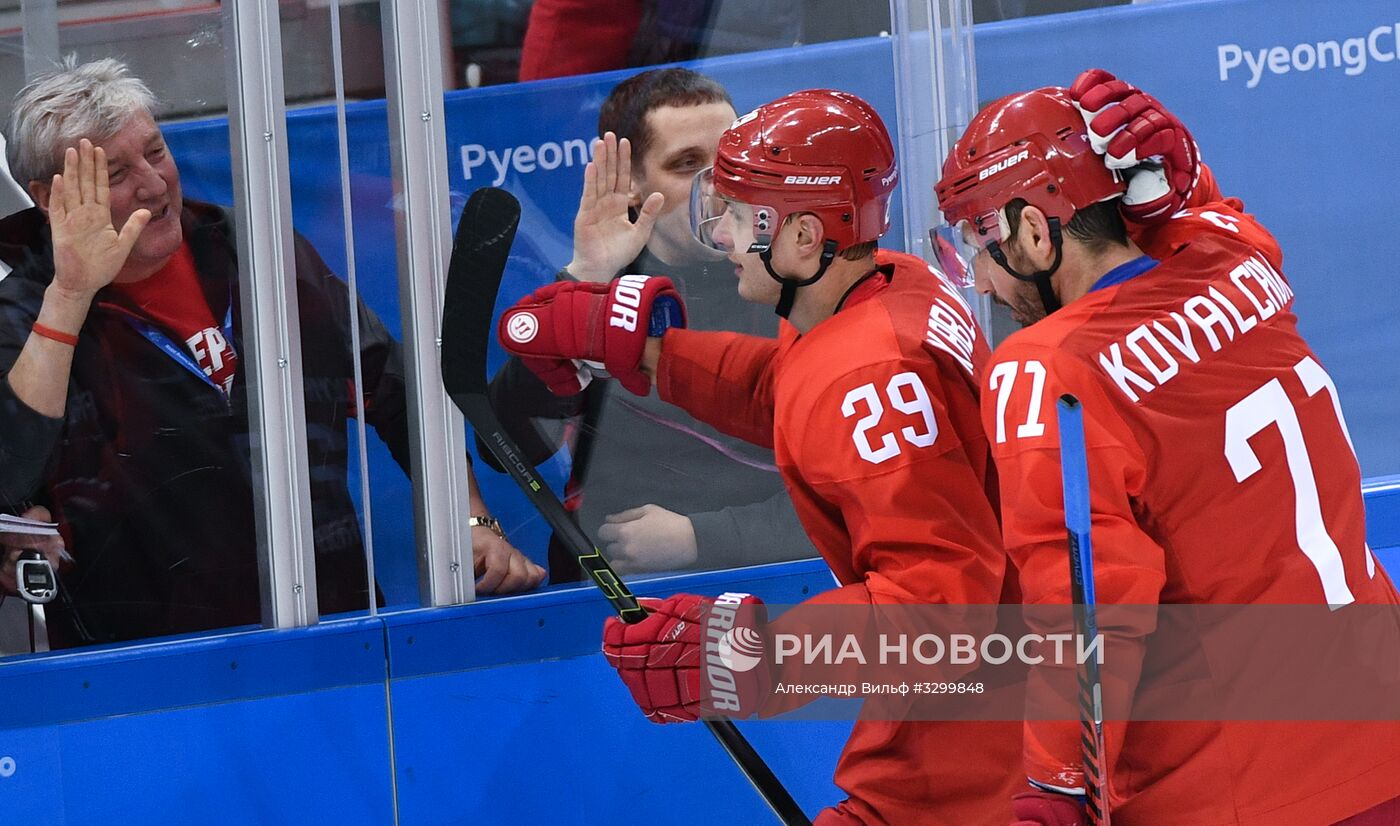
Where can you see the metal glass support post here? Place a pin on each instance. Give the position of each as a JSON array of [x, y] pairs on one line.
[[422, 219], [935, 73], [271, 358]]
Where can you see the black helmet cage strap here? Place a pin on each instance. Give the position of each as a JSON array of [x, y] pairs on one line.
[[1041, 279], [790, 285]]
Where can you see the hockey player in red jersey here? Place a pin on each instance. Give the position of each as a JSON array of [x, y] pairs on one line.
[[869, 400], [1221, 471]]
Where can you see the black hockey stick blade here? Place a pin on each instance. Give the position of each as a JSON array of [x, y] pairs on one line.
[[485, 233], [480, 250], [479, 253]]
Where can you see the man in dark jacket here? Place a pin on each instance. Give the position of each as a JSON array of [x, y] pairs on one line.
[[122, 408], [656, 488]]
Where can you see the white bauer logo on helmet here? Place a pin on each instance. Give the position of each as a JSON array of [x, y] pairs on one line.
[[812, 180], [1002, 166]]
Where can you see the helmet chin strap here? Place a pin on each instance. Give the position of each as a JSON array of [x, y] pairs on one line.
[[790, 285], [1041, 279]]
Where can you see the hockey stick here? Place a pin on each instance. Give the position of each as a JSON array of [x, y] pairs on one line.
[[1074, 466], [479, 253]]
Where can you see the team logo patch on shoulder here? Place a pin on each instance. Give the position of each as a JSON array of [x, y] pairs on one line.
[[522, 328]]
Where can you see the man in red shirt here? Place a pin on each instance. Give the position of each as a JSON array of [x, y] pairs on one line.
[[869, 400], [1221, 471], [121, 404]]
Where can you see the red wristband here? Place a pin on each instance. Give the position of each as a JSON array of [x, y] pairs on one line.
[[55, 335]]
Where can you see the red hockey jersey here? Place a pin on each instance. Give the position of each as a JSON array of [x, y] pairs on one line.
[[1221, 472], [873, 418]]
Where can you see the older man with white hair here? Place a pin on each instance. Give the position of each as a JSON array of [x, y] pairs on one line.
[[122, 406]]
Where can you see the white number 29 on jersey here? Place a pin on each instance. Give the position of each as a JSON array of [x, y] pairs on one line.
[[907, 394]]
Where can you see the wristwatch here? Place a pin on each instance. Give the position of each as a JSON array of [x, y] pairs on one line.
[[488, 522]]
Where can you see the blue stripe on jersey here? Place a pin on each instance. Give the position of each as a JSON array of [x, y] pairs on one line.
[[1125, 272]]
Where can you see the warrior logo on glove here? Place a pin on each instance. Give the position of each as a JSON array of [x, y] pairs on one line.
[[522, 328], [627, 297], [693, 656], [556, 328]]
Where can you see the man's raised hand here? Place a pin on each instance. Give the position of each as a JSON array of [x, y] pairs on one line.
[[88, 251], [605, 238]]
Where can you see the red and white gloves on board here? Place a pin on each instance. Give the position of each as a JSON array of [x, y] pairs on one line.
[[1137, 135], [1041, 808], [557, 328], [693, 656]]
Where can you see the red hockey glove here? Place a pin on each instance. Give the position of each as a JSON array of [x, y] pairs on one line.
[[1040, 808], [555, 327], [686, 640], [1136, 134]]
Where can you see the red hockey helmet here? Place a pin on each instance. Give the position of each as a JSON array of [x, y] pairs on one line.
[[1032, 146], [819, 151]]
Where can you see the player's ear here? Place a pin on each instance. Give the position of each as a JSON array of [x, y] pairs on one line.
[[810, 235], [1034, 237]]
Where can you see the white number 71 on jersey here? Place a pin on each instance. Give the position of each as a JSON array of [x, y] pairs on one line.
[[1270, 406]]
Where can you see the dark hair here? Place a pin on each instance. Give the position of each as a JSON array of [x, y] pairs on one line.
[[856, 252], [625, 110], [1096, 226]]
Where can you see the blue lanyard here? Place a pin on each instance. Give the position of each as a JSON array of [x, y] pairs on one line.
[[180, 354]]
